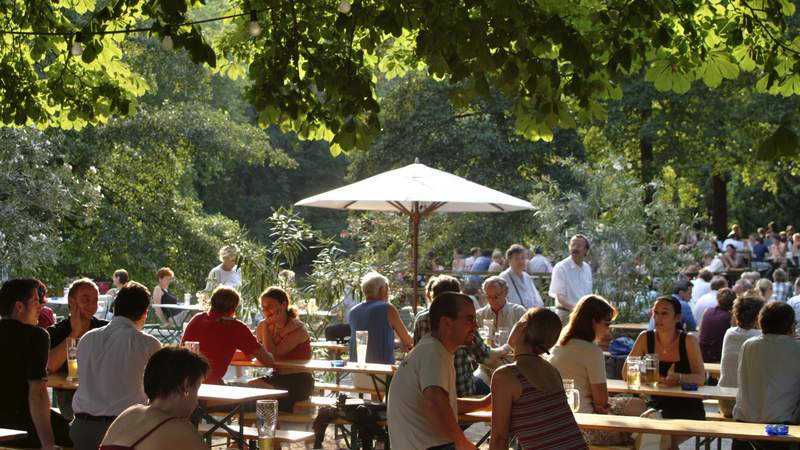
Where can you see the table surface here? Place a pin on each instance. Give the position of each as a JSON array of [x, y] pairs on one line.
[[633, 424], [712, 368], [702, 392], [324, 365], [9, 435], [629, 326], [208, 392]]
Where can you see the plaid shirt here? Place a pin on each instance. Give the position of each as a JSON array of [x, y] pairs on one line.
[[466, 358], [781, 290]]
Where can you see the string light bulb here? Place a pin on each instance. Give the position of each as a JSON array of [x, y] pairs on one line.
[[254, 28], [166, 42], [344, 6], [77, 48]]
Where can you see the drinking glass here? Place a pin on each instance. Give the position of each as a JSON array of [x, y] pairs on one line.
[[193, 346], [72, 359], [487, 334], [502, 335], [634, 368], [650, 366], [573, 395], [361, 347], [266, 421], [187, 298]]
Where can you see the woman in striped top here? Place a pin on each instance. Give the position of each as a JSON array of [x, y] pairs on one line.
[[528, 399]]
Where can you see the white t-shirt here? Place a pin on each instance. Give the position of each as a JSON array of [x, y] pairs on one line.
[[428, 364], [539, 264], [731, 345], [709, 300], [521, 290], [794, 302], [769, 380], [700, 287], [716, 265], [219, 277], [571, 280], [583, 362]]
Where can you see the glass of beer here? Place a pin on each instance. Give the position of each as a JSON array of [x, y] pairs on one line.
[[487, 333], [633, 372], [361, 347], [650, 364], [573, 395], [266, 421], [72, 359]]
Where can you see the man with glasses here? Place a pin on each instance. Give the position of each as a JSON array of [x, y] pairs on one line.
[[23, 380], [422, 405], [497, 318]]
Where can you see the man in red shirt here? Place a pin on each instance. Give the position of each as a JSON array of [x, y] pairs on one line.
[[220, 335]]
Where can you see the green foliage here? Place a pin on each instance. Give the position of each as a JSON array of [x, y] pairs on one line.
[[628, 256], [39, 192]]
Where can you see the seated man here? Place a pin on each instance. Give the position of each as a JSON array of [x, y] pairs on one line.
[[466, 357], [25, 404], [82, 300], [499, 314], [422, 405], [220, 335], [111, 362], [769, 374]]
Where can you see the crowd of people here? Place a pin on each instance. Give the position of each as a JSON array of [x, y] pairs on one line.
[[134, 393]]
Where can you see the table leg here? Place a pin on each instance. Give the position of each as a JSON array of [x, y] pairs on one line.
[[217, 424]]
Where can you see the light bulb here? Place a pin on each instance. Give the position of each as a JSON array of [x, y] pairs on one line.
[[344, 6], [254, 28], [77, 48], [166, 42]]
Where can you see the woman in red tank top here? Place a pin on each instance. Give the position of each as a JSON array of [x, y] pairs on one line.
[[286, 337]]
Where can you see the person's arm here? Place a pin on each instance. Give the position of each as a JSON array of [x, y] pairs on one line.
[[600, 398], [420, 328], [57, 355], [502, 397], [557, 291], [698, 375], [156, 300], [263, 356], [562, 301], [443, 418], [466, 405], [292, 340], [399, 328], [39, 405]]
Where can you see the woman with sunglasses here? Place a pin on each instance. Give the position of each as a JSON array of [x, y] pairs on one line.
[[579, 358]]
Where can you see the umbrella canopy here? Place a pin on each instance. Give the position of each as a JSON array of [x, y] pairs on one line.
[[417, 191]]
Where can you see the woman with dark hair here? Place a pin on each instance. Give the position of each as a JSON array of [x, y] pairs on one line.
[[530, 391], [715, 323], [171, 381], [679, 361], [287, 339], [577, 357], [745, 311]]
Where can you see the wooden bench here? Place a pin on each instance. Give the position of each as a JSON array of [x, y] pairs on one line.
[[251, 433], [334, 387]]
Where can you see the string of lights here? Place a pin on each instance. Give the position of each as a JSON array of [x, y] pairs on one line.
[[76, 48]]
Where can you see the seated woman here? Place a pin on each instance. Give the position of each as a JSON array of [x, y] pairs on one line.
[[731, 259], [745, 311], [171, 381], [715, 323], [529, 391], [578, 357], [287, 339], [679, 361], [162, 296]]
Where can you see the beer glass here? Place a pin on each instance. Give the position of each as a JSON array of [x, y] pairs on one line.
[[266, 421], [72, 359], [633, 372], [361, 347], [502, 335], [487, 333], [650, 365], [193, 346], [573, 395]]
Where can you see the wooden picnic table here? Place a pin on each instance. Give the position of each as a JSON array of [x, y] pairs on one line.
[[630, 327], [214, 394], [331, 346], [7, 434], [712, 369], [662, 390], [634, 424]]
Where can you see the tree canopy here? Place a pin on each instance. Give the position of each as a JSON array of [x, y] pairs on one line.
[[313, 67]]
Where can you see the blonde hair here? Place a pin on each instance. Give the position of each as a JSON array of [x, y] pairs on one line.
[[228, 251], [542, 328]]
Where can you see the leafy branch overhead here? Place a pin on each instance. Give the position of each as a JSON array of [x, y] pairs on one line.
[[313, 69]]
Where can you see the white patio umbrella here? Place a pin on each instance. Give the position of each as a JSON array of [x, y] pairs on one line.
[[417, 191]]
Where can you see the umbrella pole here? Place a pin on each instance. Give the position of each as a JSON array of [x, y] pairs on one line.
[[415, 217]]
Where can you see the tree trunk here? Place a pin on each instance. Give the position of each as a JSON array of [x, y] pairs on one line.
[[719, 205], [646, 157]]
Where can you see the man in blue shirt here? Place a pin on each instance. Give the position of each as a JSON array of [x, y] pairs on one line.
[[683, 293]]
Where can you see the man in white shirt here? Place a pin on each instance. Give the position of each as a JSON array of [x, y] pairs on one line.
[[498, 314], [701, 285], [572, 278], [769, 370], [539, 264], [713, 263], [794, 302], [422, 404], [111, 362], [708, 300], [521, 288]]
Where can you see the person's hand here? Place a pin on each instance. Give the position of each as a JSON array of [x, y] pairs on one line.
[[505, 349], [672, 378], [75, 320]]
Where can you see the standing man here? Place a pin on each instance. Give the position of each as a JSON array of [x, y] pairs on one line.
[[501, 315], [572, 278], [422, 404], [227, 273], [111, 362], [82, 300], [23, 380], [521, 288]]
